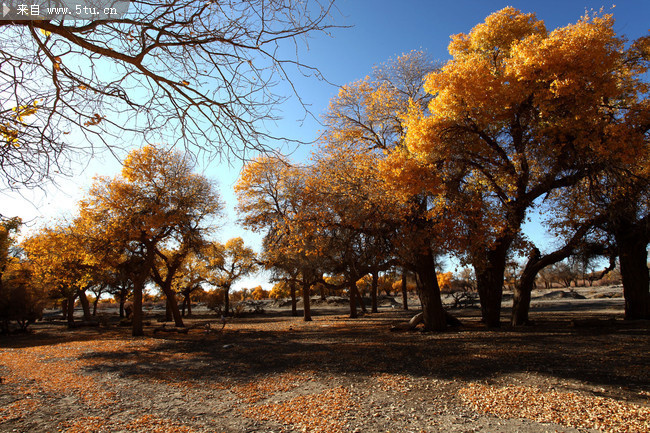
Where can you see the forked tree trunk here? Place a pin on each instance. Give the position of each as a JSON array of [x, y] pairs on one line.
[[633, 258], [173, 307], [429, 292], [85, 305], [521, 297], [490, 270]]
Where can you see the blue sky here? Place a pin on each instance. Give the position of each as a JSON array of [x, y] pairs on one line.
[[380, 30]]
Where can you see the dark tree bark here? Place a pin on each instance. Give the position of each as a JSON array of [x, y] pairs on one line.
[[352, 288], [632, 241], [85, 305], [70, 310], [95, 302], [138, 287], [305, 302], [359, 298], [64, 308], [172, 303], [168, 310], [373, 291], [489, 271], [405, 300], [429, 292], [536, 262]]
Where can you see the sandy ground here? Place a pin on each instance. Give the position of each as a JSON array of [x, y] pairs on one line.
[[579, 368]]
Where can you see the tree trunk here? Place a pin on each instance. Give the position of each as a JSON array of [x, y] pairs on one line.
[[95, 306], [183, 306], [352, 288], [70, 310], [405, 302], [305, 302], [226, 301], [85, 305], [188, 297], [429, 292], [64, 308], [122, 302], [633, 258], [489, 283], [292, 291], [173, 306], [373, 291], [359, 298], [523, 289], [490, 269], [138, 287], [168, 309]]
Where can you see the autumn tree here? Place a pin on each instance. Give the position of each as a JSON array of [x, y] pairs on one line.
[[157, 204], [520, 112], [227, 263], [352, 220], [20, 300], [200, 74], [271, 199], [61, 266], [370, 115], [189, 281]]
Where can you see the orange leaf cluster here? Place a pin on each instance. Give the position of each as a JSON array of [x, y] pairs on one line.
[[566, 408]]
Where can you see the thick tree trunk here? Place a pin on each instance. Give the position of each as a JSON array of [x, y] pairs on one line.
[[85, 305], [429, 292], [138, 287], [173, 307], [122, 302], [489, 283], [633, 258], [352, 288], [405, 299], [168, 309], [523, 289], [292, 291], [305, 302], [373, 291]]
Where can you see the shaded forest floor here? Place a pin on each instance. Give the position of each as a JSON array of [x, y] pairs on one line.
[[576, 369]]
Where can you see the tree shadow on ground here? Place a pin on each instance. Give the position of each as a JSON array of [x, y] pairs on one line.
[[598, 353]]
